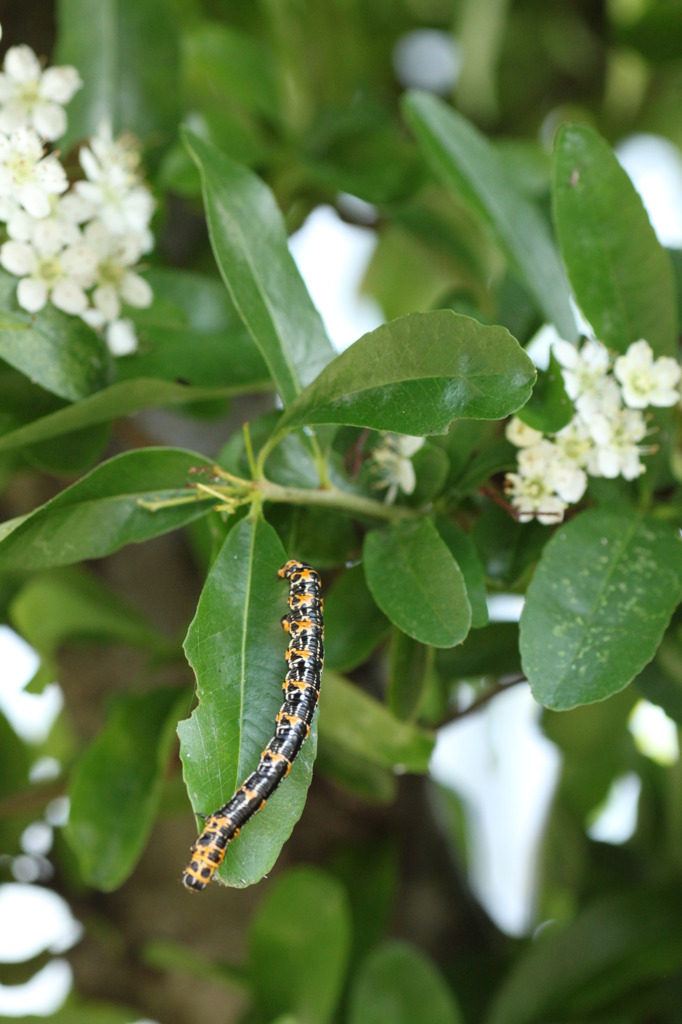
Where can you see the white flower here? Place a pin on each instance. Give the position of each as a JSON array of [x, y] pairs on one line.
[[60, 277], [33, 98], [584, 370], [121, 337], [115, 282], [26, 175], [568, 480], [520, 434], [546, 483], [114, 187], [616, 451], [645, 381], [52, 233], [574, 441], [560, 474], [8, 207], [392, 458], [105, 152], [534, 499], [532, 490], [536, 459], [603, 398]]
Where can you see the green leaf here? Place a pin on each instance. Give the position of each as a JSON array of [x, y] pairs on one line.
[[250, 247], [84, 449], [75, 1011], [621, 276], [416, 582], [354, 721], [466, 162], [358, 148], [463, 550], [598, 605], [655, 32], [495, 456], [56, 351], [233, 80], [417, 374], [612, 948], [236, 647], [549, 408], [15, 758], [192, 333], [174, 958], [491, 651], [596, 748], [358, 776], [307, 957], [68, 604], [354, 624], [370, 873], [410, 665], [507, 548], [292, 463], [661, 680], [431, 467], [127, 55], [399, 984], [319, 536], [102, 512], [116, 786], [219, 61], [122, 399]]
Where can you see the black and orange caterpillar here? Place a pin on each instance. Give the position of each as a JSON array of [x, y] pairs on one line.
[[305, 657]]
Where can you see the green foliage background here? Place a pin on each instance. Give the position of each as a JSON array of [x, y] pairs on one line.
[[490, 206]]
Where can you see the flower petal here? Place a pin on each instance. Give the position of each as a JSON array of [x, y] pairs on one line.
[[107, 302], [49, 120], [121, 337], [59, 84], [31, 294], [34, 199], [67, 295], [18, 257], [21, 64], [137, 292]]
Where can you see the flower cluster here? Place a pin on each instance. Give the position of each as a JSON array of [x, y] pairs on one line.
[[392, 463], [76, 246], [603, 439]]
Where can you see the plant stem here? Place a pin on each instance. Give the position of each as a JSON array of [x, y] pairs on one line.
[[334, 497], [235, 492], [500, 687]]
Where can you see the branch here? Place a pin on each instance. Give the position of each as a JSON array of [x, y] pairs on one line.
[[500, 687]]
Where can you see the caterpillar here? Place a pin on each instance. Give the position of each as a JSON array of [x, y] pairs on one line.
[[305, 658]]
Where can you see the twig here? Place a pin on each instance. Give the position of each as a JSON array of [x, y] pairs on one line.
[[500, 687]]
